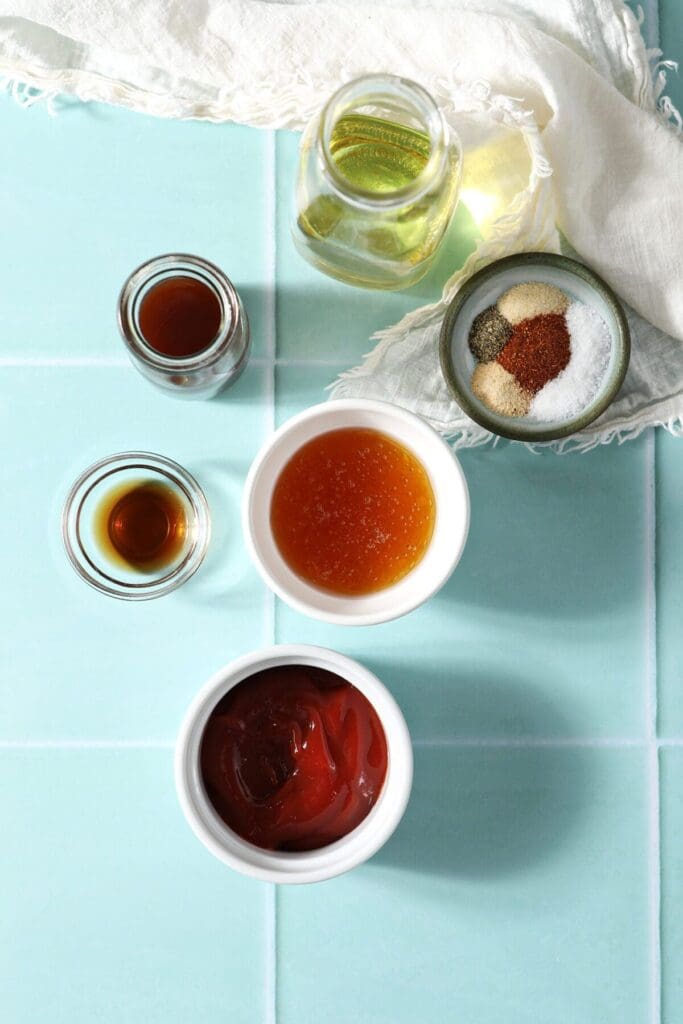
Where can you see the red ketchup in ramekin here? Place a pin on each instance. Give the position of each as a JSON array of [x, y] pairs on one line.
[[293, 758]]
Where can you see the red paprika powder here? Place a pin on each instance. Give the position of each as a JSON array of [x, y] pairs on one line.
[[538, 349]]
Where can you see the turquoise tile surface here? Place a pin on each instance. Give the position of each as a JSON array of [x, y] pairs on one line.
[[671, 43], [297, 387], [521, 887], [92, 192], [541, 630], [77, 663], [671, 762], [513, 893], [319, 317], [669, 584], [111, 911]]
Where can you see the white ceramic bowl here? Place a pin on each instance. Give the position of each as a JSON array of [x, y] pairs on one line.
[[450, 527], [312, 865]]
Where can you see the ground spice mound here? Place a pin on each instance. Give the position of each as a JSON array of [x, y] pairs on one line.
[[532, 298], [537, 351], [489, 334], [499, 390]]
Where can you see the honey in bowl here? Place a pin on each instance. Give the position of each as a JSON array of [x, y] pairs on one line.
[[141, 525], [352, 511]]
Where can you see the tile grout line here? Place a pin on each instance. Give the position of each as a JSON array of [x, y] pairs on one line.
[[445, 742], [88, 744], [64, 361], [270, 249], [270, 964], [108, 362], [650, 709], [531, 742], [333, 364]]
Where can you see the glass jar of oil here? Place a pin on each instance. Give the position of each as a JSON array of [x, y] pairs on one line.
[[378, 182]]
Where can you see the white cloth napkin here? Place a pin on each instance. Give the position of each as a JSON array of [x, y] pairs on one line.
[[555, 103]]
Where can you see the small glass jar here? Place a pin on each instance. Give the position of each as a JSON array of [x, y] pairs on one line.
[[378, 182], [95, 563], [201, 374]]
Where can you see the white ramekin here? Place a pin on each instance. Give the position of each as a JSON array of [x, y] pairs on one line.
[[450, 527], [313, 865]]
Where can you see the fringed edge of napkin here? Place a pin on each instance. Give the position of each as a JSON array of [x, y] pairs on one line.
[[667, 414], [538, 234], [30, 85]]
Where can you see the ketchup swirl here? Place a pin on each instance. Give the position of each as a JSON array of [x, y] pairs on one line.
[[293, 758]]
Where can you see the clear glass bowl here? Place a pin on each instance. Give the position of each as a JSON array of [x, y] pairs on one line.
[[95, 565]]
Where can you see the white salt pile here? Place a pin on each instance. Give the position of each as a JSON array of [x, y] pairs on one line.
[[575, 387]]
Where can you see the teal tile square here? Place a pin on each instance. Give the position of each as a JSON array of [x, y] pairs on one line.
[[112, 910], [541, 631], [647, 16], [514, 892], [319, 317], [671, 767], [94, 191], [78, 664], [671, 44], [298, 387], [669, 502]]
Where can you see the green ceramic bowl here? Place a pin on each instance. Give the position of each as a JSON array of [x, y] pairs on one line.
[[482, 290]]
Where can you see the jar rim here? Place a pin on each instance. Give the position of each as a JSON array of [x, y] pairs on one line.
[[369, 87], [153, 271]]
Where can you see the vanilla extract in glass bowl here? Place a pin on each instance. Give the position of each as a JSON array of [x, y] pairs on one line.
[[142, 525], [136, 525]]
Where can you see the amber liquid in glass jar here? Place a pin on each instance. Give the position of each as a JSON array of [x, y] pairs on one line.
[[180, 317]]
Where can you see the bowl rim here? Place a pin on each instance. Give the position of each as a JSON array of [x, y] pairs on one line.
[[307, 607], [622, 339], [311, 865]]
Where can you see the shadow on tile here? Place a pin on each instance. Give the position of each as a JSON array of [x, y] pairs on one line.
[[226, 566], [460, 241], [330, 320], [320, 317], [446, 700], [64, 104], [327, 319], [299, 387], [480, 810], [560, 536], [246, 390]]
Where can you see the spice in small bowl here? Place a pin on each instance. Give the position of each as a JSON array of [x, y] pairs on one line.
[[535, 346]]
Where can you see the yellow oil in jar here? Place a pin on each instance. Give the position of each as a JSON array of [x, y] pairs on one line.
[[378, 156], [376, 159]]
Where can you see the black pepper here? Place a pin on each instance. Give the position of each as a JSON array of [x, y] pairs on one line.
[[489, 334]]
